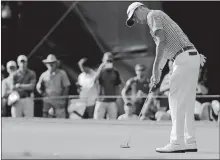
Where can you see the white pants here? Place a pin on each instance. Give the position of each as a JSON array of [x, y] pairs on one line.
[[183, 82], [23, 108], [101, 108]]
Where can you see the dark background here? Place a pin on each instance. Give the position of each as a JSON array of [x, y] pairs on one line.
[[199, 20]]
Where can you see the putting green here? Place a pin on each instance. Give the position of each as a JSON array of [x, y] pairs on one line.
[[63, 138]]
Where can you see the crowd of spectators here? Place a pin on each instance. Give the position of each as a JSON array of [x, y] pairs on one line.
[[99, 90]]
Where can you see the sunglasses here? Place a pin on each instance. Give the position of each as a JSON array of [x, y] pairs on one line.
[[23, 61], [140, 70], [110, 61], [12, 68]]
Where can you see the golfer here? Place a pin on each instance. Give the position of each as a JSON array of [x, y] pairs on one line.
[[173, 44]]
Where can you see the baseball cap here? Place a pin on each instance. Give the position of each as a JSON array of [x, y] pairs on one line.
[[22, 58], [130, 11], [11, 64]]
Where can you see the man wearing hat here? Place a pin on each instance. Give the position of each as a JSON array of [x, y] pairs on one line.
[[53, 83], [172, 44], [7, 86], [138, 87], [24, 83]]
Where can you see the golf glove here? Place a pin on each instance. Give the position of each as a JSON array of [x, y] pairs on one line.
[[202, 60]]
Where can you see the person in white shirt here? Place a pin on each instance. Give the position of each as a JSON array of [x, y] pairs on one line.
[[88, 88], [129, 113]]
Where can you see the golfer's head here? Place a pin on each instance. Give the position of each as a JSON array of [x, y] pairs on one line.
[[136, 12]]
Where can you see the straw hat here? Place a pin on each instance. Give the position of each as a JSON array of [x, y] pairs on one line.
[[50, 59]]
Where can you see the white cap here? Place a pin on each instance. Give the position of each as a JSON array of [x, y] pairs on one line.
[[10, 64], [22, 57], [130, 11]]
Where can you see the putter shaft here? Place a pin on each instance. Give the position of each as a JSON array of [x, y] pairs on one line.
[[150, 90]]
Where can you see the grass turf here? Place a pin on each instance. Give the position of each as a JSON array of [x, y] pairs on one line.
[[77, 139]]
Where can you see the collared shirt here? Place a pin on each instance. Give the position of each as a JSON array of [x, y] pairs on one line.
[[109, 82], [53, 84], [175, 38], [134, 85], [25, 77]]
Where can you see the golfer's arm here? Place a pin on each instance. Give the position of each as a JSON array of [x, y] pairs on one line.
[[159, 61]]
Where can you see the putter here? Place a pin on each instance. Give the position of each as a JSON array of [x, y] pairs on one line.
[[128, 141]]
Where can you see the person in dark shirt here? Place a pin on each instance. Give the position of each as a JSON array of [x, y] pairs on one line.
[[109, 80], [137, 87]]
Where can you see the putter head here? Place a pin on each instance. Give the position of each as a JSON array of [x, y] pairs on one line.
[[125, 146]]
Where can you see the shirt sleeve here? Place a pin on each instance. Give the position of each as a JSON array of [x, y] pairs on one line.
[[156, 22], [128, 84], [39, 83], [118, 78], [80, 78], [33, 78], [65, 79]]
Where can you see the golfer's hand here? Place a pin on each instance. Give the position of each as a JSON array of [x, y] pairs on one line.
[[155, 78], [202, 60]]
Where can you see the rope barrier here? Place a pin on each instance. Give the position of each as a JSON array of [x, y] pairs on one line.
[[79, 97]]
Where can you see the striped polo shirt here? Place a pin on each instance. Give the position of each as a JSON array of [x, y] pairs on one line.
[[175, 38]]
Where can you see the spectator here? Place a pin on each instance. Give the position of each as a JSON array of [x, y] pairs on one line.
[[24, 83], [109, 82], [137, 87], [7, 86], [87, 87], [53, 83], [129, 110]]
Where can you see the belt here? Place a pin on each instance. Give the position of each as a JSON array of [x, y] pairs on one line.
[[181, 51]]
